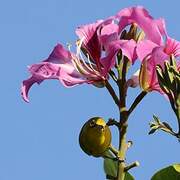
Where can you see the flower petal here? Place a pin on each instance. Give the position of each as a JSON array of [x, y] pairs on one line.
[[59, 55], [144, 48], [26, 85], [45, 70], [178, 65], [108, 34], [91, 42], [172, 47], [126, 46], [49, 69], [70, 80], [39, 73]]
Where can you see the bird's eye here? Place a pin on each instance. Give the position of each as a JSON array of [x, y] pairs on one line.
[[92, 123]]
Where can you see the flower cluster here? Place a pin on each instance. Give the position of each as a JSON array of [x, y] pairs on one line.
[[98, 45]]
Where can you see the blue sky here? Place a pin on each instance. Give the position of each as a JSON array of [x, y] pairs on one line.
[[39, 140]]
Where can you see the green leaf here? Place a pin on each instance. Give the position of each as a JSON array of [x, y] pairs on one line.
[[156, 119], [128, 176], [152, 131], [173, 62], [151, 124], [110, 167], [169, 173], [167, 125], [161, 79]]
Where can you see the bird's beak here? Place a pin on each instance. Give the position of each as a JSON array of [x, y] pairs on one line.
[[101, 127]]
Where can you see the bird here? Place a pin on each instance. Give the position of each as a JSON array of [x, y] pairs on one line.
[[95, 137]]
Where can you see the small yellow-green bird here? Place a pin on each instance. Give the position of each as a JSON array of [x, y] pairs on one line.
[[95, 137]]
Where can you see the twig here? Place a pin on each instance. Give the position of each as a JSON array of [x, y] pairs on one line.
[[112, 92], [134, 164], [110, 177], [137, 101], [114, 150], [112, 122]]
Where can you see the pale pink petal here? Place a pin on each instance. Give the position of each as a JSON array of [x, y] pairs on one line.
[[72, 82], [40, 72], [26, 85], [108, 34], [172, 47], [152, 28], [126, 46], [144, 48], [70, 79], [161, 26], [128, 49], [45, 70]]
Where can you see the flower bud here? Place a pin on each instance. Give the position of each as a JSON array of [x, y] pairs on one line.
[[143, 77], [134, 80]]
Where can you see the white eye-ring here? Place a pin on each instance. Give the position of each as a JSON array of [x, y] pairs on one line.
[[92, 123]]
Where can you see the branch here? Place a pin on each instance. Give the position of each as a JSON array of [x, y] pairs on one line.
[[137, 101]]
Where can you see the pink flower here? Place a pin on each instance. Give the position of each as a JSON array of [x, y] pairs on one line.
[[65, 66], [102, 36], [110, 30], [96, 36], [73, 69], [152, 55], [155, 32], [156, 47], [100, 42]]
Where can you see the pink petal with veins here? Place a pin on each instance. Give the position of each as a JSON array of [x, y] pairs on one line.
[[172, 47]]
